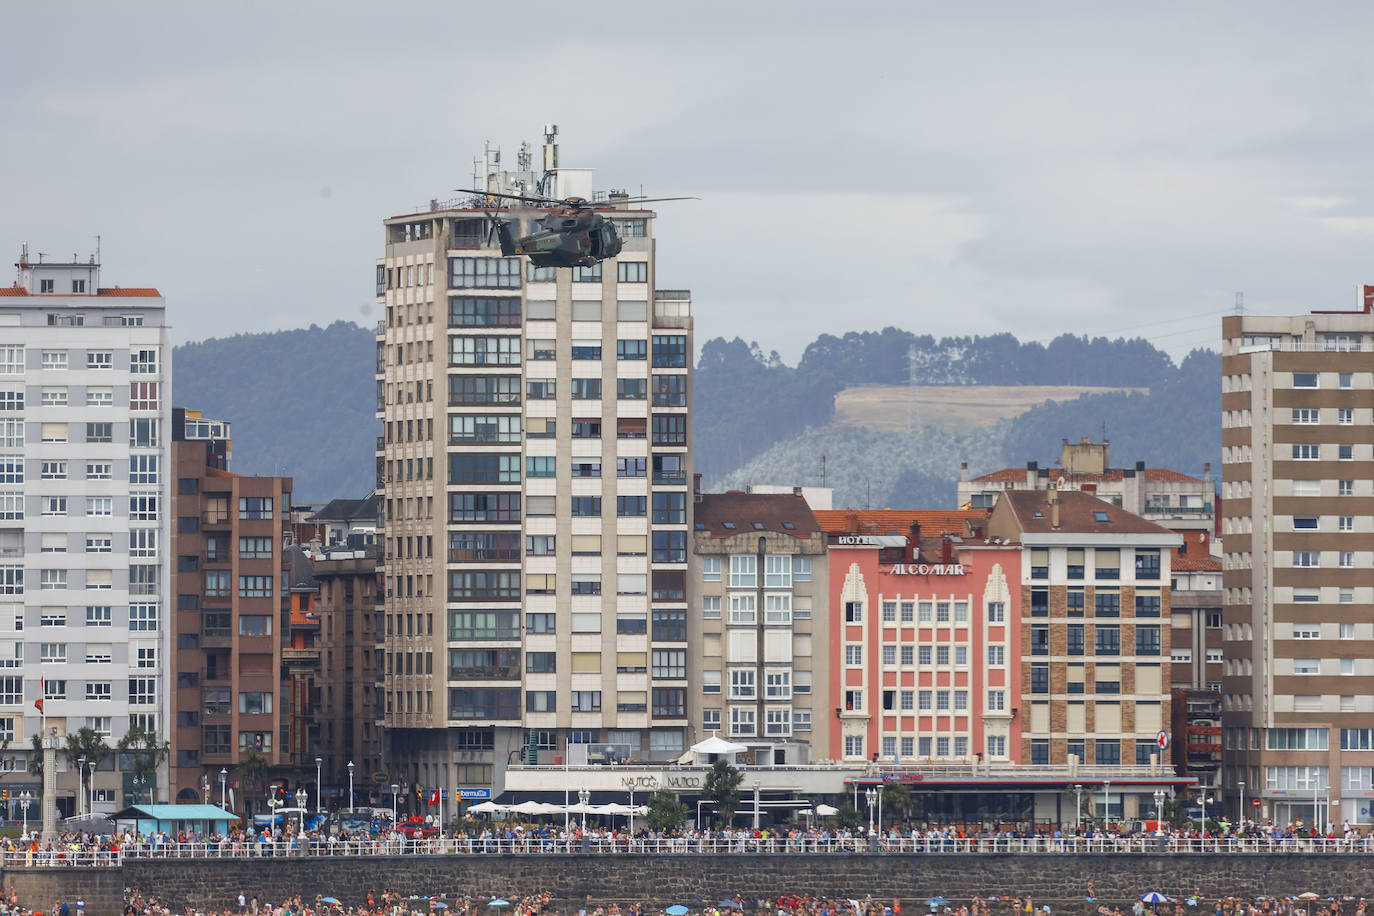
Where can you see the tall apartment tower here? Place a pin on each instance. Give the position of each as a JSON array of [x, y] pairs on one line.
[[84, 424], [534, 469], [229, 696], [1298, 534]]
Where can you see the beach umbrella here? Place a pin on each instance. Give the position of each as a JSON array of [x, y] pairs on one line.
[[730, 905], [1154, 897], [499, 902], [1307, 896], [441, 905], [937, 901], [676, 909], [333, 901]]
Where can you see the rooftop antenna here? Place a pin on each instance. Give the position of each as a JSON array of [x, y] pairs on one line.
[[822, 471], [546, 187], [913, 411], [1240, 302]]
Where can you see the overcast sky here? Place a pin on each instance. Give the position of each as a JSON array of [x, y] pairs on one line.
[[946, 168]]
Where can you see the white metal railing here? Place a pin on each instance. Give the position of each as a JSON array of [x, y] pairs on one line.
[[74, 856]]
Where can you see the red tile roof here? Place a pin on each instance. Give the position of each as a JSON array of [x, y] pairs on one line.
[[1198, 557], [142, 292], [1153, 475], [139, 292], [880, 521]]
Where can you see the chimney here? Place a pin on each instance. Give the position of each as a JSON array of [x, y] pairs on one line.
[[913, 543], [1206, 471], [1140, 465], [963, 470], [696, 488], [1054, 513], [1031, 468], [946, 549]]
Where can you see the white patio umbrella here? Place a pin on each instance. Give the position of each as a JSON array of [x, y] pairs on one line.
[[826, 810], [486, 807]]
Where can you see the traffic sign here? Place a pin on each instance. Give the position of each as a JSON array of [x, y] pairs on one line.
[[1256, 803], [1162, 739], [379, 777]]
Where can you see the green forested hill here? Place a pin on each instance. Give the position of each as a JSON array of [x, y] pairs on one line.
[[302, 403]]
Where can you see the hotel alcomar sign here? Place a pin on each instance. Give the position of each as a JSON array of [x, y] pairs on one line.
[[927, 569]]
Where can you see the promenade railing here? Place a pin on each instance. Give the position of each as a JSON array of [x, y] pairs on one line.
[[1147, 844]]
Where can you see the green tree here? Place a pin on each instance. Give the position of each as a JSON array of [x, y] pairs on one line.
[[86, 743], [665, 811], [848, 817], [896, 801], [722, 789], [252, 773], [146, 752], [36, 762]]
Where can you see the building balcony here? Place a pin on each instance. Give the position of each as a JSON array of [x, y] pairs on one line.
[[1204, 510], [301, 659], [672, 309], [216, 518]]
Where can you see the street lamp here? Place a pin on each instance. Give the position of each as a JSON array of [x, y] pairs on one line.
[[91, 805], [1241, 816], [350, 787], [81, 784], [205, 786], [273, 803], [223, 787], [1107, 803], [395, 790], [871, 796], [26, 797], [140, 780], [301, 798], [1159, 811], [1204, 800], [1078, 808], [318, 761]]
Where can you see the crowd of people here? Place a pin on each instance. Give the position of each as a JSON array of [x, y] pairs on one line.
[[390, 903]]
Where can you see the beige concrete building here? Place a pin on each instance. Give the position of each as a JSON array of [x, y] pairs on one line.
[[1095, 612], [759, 634], [1298, 531], [534, 462]]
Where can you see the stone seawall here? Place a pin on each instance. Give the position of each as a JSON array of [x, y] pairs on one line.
[[1057, 879]]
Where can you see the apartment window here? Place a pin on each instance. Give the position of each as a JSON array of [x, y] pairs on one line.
[[1347, 559], [743, 609], [586, 700], [1306, 415], [99, 505], [1147, 564], [99, 616], [143, 396], [472, 428], [997, 655], [1107, 604], [1147, 640], [801, 569], [743, 571], [97, 432], [1107, 640], [670, 508], [251, 507], [1306, 558], [1147, 605], [104, 470], [1343, 488], [631, 389], [1345, 416], [99, 397], [99, 359], [669, 351], [742, 684], [52, 579], [669, 663], [143, 361], [670, 390], [1108, 752], [1345, 452], [586, 349], [51, 359], [1107, 560], [1039, 640], [853, 612], [484, 273], [1307, 666], [99, 543], [143, 691], [98, 691], [1306, 451], [56, 690], [1040, 678], [255, 586], [669, 546], [51, 653], [632, 349], [494, 351], [669, 429], [997, 612], [633, 272], [53, 505], [255, 625], [1304, 380], [143, 616], [587, 506], [854, 654]]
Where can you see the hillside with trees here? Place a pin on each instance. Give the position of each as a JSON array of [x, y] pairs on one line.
[[302, 404]]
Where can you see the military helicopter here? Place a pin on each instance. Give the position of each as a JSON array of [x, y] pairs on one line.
[[571, 234]]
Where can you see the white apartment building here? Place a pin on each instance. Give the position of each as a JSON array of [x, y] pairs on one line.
[[85, 417], [534, 473]]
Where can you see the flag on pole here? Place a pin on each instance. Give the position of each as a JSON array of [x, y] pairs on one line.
[[434, 798], [42, 688]]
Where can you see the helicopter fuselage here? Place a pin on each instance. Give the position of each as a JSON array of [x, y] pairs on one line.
[[567, 237]]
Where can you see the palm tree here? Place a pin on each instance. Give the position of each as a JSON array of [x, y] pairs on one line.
[[36, 762], [85, 743], [146, 752], [252, 773]]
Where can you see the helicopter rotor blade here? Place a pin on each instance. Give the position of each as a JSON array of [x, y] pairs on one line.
[[645, 200], [533, 200]]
